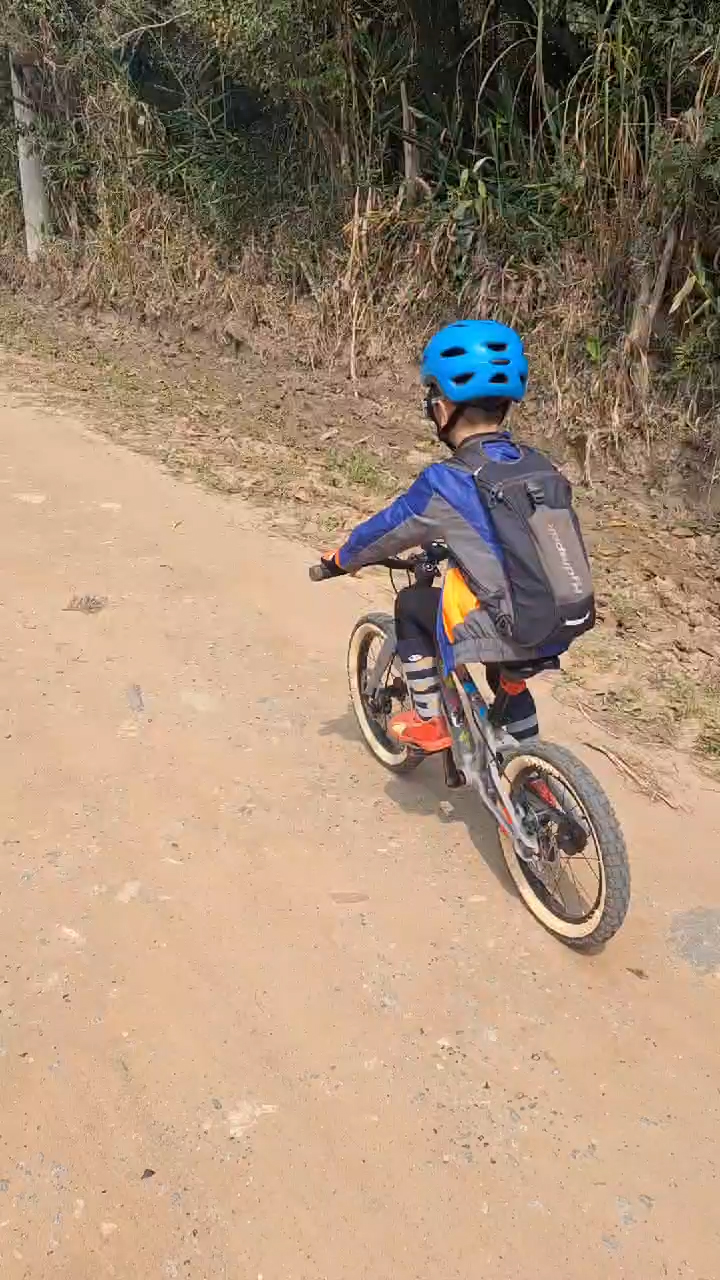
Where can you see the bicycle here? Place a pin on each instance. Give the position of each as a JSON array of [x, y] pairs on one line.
[[549, 809]]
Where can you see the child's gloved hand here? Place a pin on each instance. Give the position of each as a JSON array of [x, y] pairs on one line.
[[331, 565]]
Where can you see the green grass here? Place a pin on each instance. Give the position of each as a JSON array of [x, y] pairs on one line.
[[362, 468], [627, 615]]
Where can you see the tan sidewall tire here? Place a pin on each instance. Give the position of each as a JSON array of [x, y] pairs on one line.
[[380, 625], [611, 908]]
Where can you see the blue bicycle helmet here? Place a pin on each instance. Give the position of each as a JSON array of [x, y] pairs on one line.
[[475, 360]]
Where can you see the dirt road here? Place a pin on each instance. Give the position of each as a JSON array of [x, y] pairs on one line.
[[267, 1012]]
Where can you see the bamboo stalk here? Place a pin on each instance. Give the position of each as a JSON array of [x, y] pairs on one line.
[[36, 208]]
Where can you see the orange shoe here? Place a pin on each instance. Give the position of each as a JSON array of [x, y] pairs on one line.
[[424, 735]]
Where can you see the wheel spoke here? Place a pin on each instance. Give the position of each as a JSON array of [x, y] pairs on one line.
[[579, 891], [567, 895]]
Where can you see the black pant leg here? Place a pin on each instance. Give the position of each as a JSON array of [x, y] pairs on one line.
[[415, 621], [520, 718]]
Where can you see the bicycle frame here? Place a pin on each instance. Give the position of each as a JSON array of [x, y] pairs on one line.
[[477, 747]]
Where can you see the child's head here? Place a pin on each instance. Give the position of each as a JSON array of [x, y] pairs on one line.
[[472, 371], [455, 423]]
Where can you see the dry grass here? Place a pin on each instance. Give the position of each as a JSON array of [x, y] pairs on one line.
[[86, 604], [160, 272], [644, 695]]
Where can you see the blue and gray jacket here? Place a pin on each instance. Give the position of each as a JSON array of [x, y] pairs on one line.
[[444, 504]]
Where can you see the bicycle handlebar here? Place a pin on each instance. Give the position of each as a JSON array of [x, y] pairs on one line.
[[319, 572], [430, 556]]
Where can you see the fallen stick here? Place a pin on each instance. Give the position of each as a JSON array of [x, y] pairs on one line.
[[647, 787]]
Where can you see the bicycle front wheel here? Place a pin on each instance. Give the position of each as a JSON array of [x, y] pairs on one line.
[[578, 885], [373, 713]]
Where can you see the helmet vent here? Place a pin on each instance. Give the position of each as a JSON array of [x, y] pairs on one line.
[[451, 352], [462, 379], [497, 346], [499, 377]]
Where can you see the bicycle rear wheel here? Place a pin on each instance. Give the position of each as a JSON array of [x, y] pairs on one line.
[[373, 713], [578, 886]]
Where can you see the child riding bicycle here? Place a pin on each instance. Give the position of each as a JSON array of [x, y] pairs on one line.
[[518, 584]]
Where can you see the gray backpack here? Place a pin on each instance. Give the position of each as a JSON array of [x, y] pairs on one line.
[[530, 505]]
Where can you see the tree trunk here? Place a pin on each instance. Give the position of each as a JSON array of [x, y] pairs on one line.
[[649, 300], [36, 209]]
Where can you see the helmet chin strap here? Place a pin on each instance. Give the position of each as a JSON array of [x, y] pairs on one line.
[[444, 432]]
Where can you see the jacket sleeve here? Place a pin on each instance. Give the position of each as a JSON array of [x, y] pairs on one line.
[[406, 523]]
